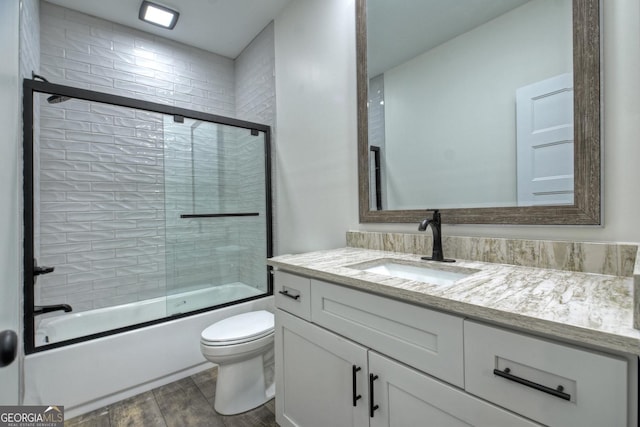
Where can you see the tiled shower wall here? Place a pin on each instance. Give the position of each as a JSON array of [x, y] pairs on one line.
[[29, 37], [255, 101], [255, 88], [103, 167], [82, 51]]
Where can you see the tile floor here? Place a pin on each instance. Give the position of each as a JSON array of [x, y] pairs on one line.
[[184, 403]]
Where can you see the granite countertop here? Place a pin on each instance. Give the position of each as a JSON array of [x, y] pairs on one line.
[[592, 309]]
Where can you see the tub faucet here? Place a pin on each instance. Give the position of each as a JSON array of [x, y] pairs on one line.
[[41, 309], [435, 223]]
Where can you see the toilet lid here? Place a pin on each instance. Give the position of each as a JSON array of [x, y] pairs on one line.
[[241, 328]]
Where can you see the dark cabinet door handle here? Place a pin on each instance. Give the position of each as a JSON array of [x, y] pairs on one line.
[[356, 396], [557, 392], [372, 405], [287, 294], [8, 347]]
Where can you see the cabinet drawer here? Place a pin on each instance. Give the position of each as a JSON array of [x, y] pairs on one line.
[[524, 374], [292, 294], [427, 340]]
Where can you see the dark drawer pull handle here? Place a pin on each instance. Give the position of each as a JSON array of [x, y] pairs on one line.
[[356, 396], [372, 406], [558, 392], [287, 294]]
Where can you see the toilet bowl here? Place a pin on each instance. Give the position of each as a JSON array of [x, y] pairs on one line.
[[242, 347]]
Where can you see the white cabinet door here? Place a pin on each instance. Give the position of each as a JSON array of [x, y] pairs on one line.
[[315, 372], [405, 397]]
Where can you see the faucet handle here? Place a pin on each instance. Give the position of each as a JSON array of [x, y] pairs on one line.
[[38, 270]]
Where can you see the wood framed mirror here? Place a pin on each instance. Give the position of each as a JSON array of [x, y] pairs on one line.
[[585, 205]]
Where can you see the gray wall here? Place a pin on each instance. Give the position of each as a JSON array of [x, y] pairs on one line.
[[316, 174], [319, 180]]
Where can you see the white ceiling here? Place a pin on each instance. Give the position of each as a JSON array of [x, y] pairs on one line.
[[399, 31], [224, 27]]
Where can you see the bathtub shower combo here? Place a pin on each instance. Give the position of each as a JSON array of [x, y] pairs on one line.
[[137, 213]]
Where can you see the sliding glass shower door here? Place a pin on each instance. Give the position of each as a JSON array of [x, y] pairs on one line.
[[137, 212], [215, 208]]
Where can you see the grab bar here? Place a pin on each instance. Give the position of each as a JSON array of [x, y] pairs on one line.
[[220, 215]]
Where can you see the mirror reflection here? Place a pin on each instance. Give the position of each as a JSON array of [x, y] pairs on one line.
[[470, 104]]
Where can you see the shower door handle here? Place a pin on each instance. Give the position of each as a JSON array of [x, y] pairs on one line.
[[38, 270]]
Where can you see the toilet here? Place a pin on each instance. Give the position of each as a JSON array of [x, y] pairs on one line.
[[242, 347]]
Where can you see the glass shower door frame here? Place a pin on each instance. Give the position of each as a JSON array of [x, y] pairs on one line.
[[32, 270]]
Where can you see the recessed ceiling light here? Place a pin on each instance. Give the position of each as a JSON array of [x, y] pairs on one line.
[[158, 15]]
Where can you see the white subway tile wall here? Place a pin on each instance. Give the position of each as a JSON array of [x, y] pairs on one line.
[[114, 180], [29, 37], [255, 79]]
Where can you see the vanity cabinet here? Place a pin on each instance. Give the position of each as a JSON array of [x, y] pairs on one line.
[[355, 364], [552, 383], [321, 378]]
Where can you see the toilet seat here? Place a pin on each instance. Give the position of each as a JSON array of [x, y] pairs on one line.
[[240, 346], [239, 329]]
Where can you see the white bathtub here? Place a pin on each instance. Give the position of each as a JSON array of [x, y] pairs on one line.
[[98, 372], [73, 325]]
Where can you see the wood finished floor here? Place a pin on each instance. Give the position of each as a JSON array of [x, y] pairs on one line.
[[184, 403]]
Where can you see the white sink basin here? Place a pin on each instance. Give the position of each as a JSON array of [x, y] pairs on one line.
[[424, 274]]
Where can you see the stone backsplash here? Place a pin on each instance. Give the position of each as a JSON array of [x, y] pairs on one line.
[[616, 259]]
